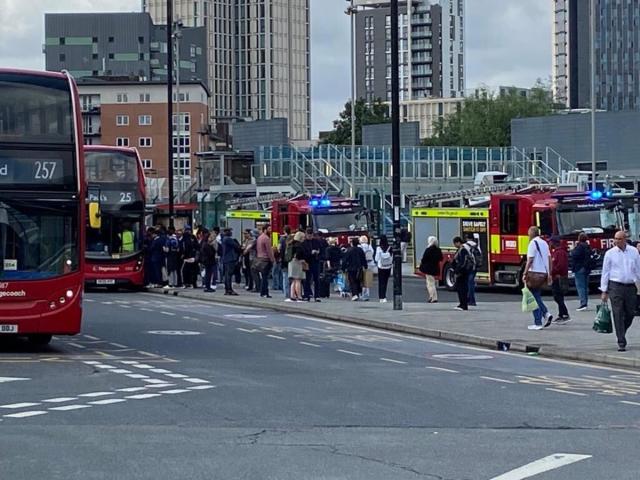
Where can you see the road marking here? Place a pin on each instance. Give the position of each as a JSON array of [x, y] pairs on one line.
[[217, 324], [77, 345], [392, 361], [154, 380], [177, 375], [121, 370], [96, 394], [12, 379], [60, 399], [276, 337], [195, 380], [130, 389], [500, 380], [349, 352], [246, 330], [462, 356], [105, 367], [137, 376], [244, 315], [32, 413], [142, 365], [117, 345], [124, 306], [171, 314], [567, 392], [19, 405], [440, 369], [67, 408], [108, 401], [177, 390], [627, 402], [174, 332], [107, 303], [160, 385], [143, 396], [91, 337], [310, 344], [202, 387], [546, 464], [159, 370], [147, 354], [145, 309]]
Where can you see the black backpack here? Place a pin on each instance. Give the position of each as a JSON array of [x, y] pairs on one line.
[[477, 257]]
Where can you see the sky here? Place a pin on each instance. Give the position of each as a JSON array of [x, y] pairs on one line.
[[508, 42]]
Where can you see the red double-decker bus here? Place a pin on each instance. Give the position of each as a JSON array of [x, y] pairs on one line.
[[115, 179], [42, 205]]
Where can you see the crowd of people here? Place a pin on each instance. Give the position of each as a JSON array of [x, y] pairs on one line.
[[303, 265]]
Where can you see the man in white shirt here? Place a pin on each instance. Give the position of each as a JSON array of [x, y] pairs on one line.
[[537, 274], [620, 272]]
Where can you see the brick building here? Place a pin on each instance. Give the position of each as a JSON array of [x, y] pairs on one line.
[[134, 114]]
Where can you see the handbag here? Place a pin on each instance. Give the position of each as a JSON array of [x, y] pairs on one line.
[[260, 264], [529, 303], [602, 323]]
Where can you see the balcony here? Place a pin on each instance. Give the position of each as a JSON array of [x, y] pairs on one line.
[[421, 45], [92, 131], [421, 32], [91, 109], [421, 71]]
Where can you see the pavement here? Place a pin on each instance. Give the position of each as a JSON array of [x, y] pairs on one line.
[[161, 387], [497, 322]]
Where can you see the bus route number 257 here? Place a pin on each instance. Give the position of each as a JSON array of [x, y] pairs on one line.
[[45, 170]]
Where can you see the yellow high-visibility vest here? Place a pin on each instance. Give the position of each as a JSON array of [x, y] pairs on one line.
[[127, 240]]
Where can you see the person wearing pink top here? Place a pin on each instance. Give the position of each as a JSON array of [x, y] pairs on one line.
[[264, 260]]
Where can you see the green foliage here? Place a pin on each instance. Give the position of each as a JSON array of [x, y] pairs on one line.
[[485, 118], [377, 112]]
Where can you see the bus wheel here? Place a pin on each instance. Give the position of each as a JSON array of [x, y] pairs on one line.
[[449, 277], [40, 340]]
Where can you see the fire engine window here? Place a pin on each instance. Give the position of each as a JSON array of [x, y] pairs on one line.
[[509, 217], [546, 222], [304, 221]]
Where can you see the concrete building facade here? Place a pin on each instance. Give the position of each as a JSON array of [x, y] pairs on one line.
[[431, 35], [427, 112], [617, 53], [259, 65], [119, 45], [134, 114]]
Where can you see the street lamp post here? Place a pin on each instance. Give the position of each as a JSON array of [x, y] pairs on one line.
[[353, 99], [170, 108], [177, 36], [395, 156], [593, 94]]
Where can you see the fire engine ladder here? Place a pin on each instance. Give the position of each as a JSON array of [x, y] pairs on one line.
[[262, 202], [462, 196]]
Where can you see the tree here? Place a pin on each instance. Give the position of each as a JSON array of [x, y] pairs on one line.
[[366, 114], [484, 120]]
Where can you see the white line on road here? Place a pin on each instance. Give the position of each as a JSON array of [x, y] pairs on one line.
[[440, 369], [60, 399], [349, 352], [176, 375], [96, 394], [130, 389], [159, 370], [546, 464], [31, 413], [117, 345], [19, 405], [143, 396], [276, 337], [77, 345], [91, 337], [144, 309], [567, 392], [202, 387], [246, 330], [217, 324], [168, 313], [310, 344], [142, 365], [124, 306], [67, 408], [627, 402], [392, 361], [121, 370], [108, 401], [177, 390], [154, 380], [147, 354], [195, 380], [500, 380], [137, 376]]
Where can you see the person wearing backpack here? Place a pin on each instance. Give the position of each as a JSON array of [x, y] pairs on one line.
[[581, 265], [384, 261], [476, 254], [462, 264], [173, 254]]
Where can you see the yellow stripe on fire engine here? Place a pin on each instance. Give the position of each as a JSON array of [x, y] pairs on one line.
[[249, 214], [496, 244], [450, 212]]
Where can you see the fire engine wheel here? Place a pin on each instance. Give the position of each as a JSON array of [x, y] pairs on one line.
[[449, 277], [40, 340]]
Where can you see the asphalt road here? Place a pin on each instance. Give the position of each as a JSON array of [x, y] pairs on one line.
[[168, 388]]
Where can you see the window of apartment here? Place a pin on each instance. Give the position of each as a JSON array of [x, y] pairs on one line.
[[111, 56], [111, 39], [147, 163], [145, 142], [141, 40], [145, 97], [122, 141], [144, 119], [94, 56], [62, 40], [122, 98], [122, 120], [62, 57], [94, 39]]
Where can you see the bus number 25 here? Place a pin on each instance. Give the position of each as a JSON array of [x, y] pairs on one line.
[[45, 170], [126, 197]]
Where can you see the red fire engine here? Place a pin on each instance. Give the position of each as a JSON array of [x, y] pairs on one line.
[[499, 221], [337, 217]]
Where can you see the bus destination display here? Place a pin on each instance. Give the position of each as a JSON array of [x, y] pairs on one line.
[[28, 169]]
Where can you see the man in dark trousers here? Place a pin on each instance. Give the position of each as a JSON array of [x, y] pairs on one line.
[[462, 265], [230, 251], [313, 248], [560, 278], [620, 273]]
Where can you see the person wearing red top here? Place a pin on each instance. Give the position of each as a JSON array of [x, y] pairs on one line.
[[265, 259], [560, 277]]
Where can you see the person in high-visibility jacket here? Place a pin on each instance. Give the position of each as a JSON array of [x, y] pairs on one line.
[[127, 241]]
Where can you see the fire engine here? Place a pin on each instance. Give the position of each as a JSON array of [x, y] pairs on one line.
[[499, 217], [332, 217]]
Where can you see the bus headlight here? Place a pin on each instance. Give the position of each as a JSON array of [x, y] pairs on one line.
[[69, 293]]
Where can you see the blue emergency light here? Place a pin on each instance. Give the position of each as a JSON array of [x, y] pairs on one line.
[[595, 195], [320, 202]]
